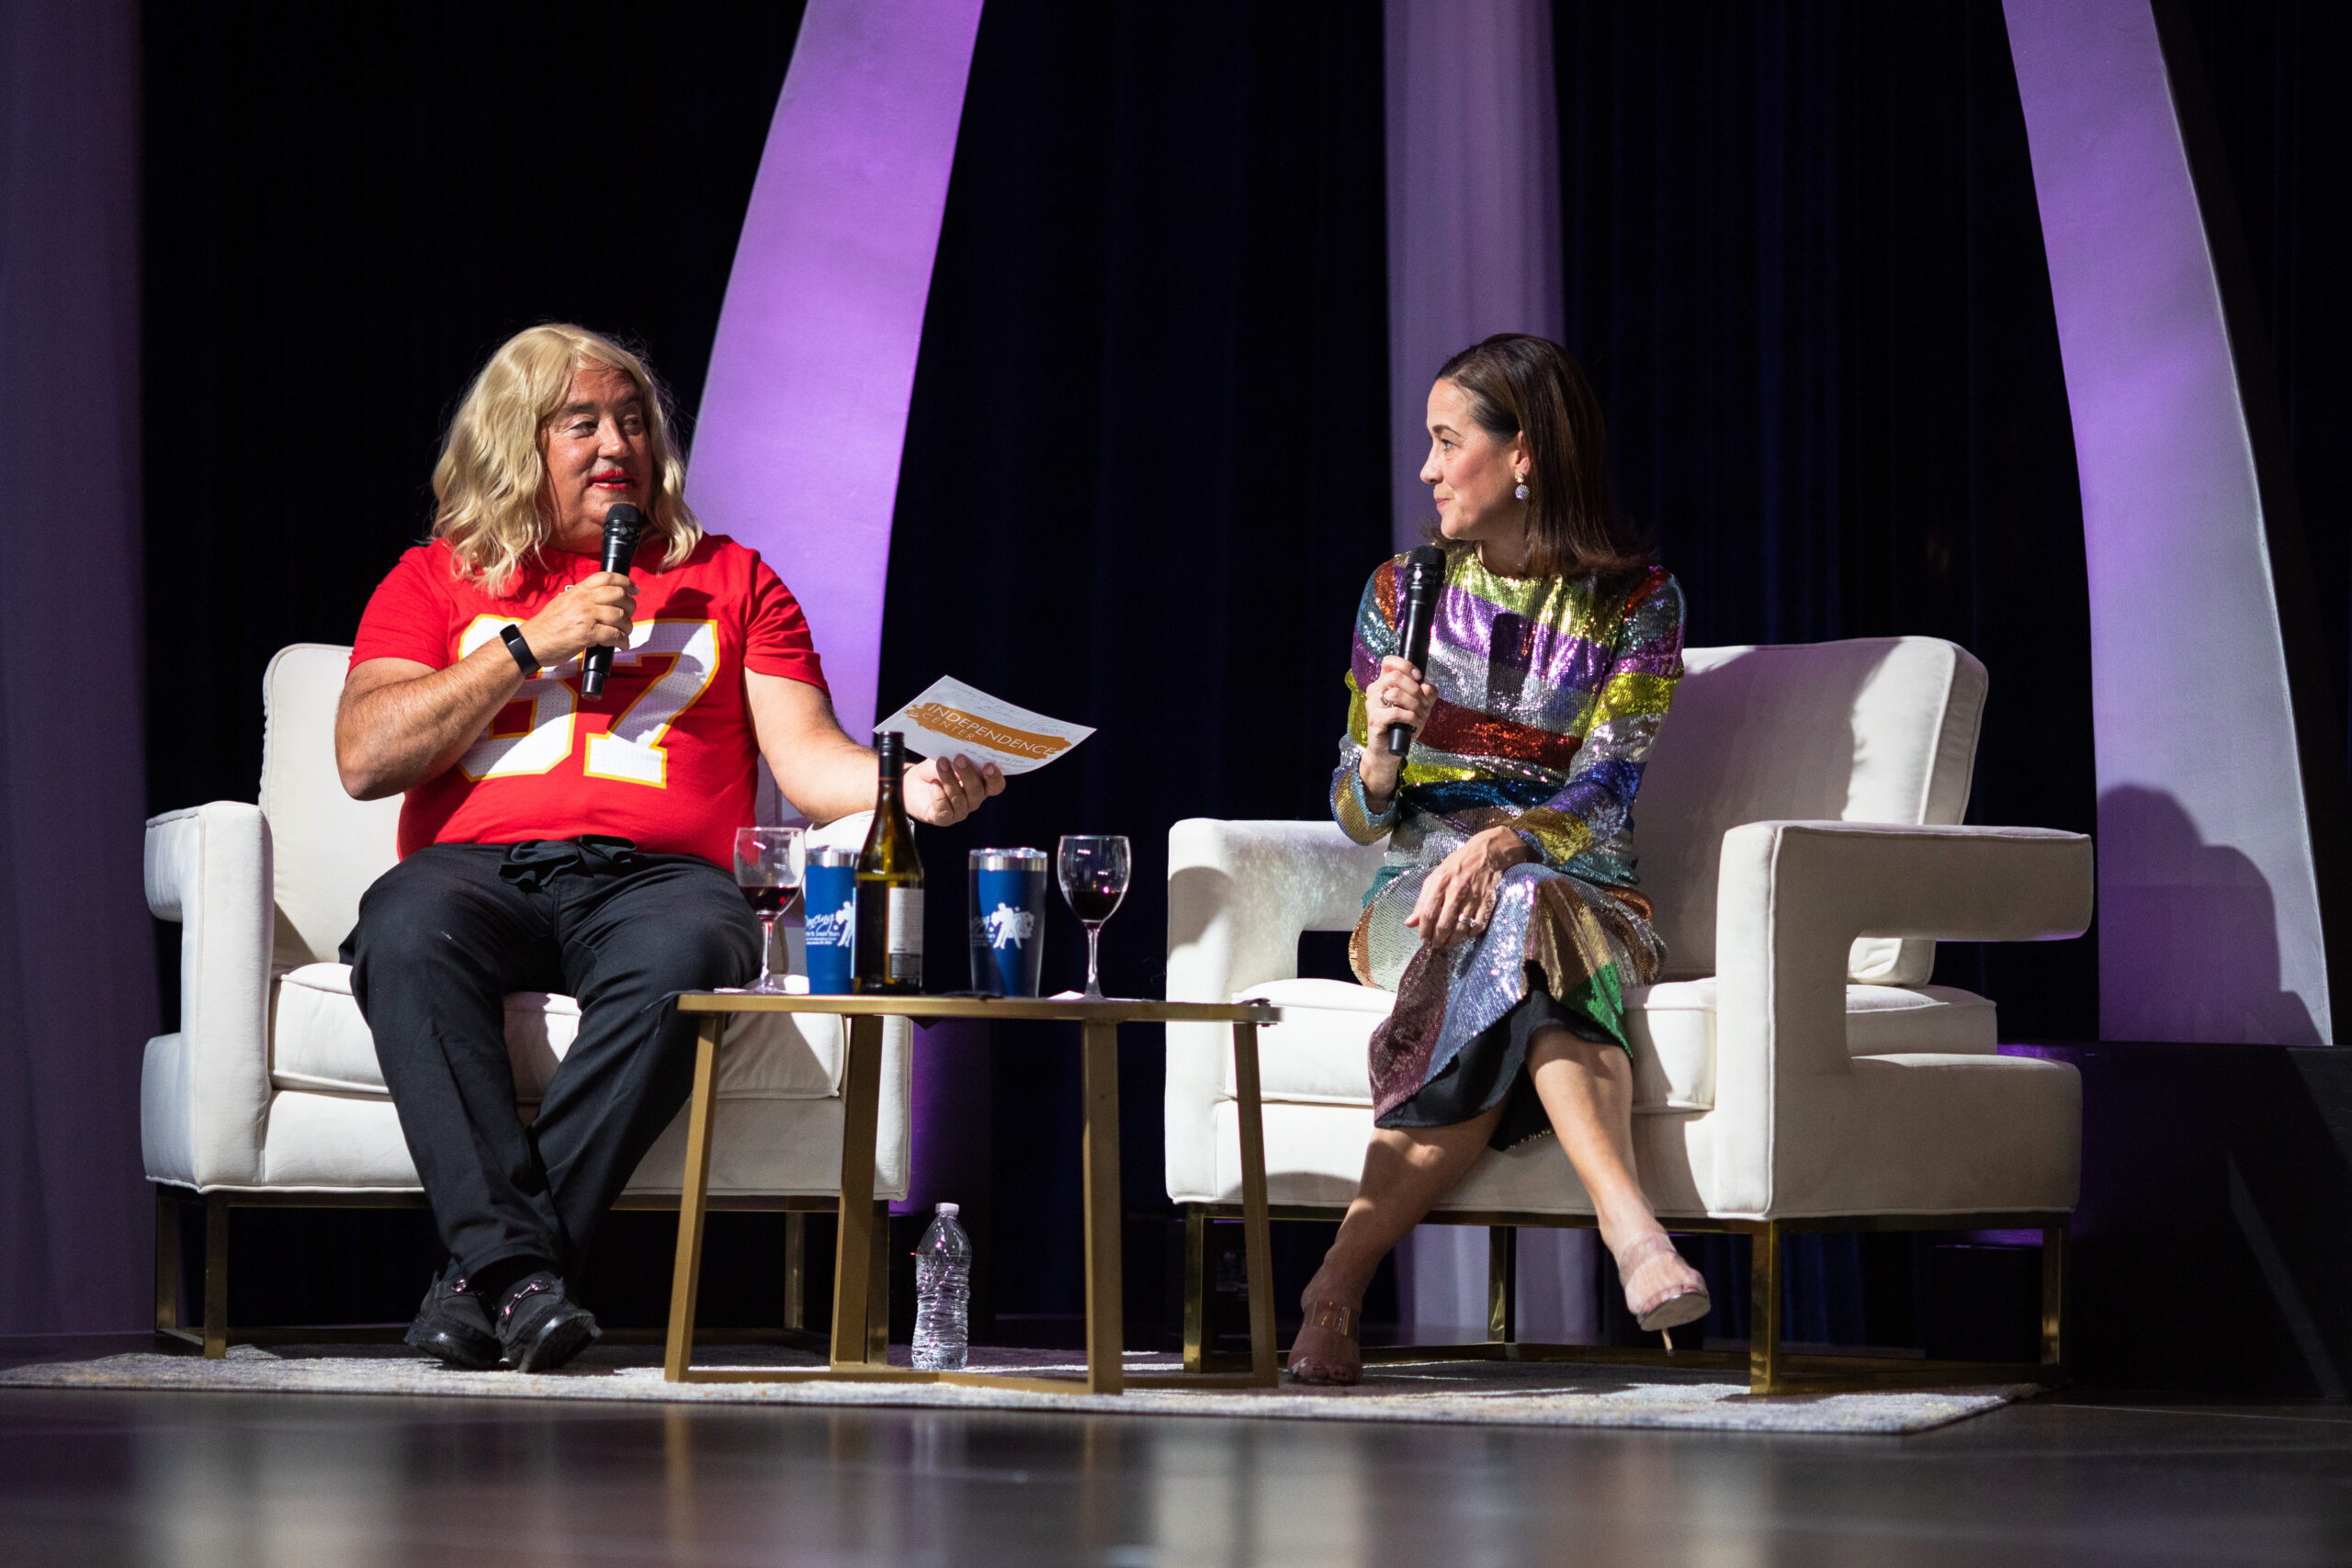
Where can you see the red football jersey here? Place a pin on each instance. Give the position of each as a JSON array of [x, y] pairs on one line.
[[664, 758]]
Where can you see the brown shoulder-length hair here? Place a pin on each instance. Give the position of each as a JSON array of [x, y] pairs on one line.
[[1518, 384]]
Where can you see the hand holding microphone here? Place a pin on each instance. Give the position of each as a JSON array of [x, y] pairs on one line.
[[594, 616], [623, 523], [1424, 579], [1397, 699]]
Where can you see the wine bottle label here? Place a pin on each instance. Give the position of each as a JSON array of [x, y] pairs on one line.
[[905, 923]]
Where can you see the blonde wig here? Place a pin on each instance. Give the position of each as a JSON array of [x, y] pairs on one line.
[[490, 483]]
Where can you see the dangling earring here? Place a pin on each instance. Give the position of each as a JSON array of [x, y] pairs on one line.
[[1521, 491]]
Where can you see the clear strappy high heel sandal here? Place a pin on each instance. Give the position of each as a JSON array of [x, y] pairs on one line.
[[1674, 1293], [1344, 1321]]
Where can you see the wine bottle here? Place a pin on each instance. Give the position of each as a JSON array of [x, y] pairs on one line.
[[888, 953]]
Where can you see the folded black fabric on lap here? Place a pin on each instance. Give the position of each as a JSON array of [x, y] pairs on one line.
[[535, 863]]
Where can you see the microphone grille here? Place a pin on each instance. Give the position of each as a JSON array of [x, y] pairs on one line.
[[624, 521], [1425, 559]]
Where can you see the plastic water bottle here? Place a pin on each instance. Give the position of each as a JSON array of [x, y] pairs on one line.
[[943, 1294]]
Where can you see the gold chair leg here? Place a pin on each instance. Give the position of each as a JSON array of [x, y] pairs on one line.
[[1197, 1288], [167, 1261], [1256, 1233], [216, 1276], [1502, 1283], [1764, 1311], [796, 1272], [2057, 1266], [877, 1287]]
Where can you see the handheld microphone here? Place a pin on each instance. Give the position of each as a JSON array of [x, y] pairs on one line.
[[1424, 575], [623, 523]]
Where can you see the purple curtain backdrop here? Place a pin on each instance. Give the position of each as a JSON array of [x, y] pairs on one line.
[[1474, 249], [77, 992], [1474, 203], [2209, 920]]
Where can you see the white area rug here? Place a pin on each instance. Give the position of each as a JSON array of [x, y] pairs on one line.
[[1487, 1393]]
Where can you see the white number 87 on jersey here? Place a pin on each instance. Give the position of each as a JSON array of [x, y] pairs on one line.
[[630, 751]]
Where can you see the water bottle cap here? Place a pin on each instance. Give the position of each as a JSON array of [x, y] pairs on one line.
[[950, 1209]]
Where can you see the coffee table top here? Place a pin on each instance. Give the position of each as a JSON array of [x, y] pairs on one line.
[[1068, 1009]]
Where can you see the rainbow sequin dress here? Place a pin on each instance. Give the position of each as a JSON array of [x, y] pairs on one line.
[[1549, 695]]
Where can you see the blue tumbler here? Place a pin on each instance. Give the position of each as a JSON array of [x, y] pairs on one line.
[[1007, 920], [829, 894]]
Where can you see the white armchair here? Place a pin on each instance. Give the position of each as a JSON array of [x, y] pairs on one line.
[[1794, 1069], [270, 1093]]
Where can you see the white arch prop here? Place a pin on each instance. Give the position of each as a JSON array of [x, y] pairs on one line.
[[2209, 888]]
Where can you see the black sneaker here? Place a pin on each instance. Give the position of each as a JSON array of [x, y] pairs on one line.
[[539, 1327], [454, 1325]]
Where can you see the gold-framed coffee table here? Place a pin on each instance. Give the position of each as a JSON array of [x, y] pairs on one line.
[[855, 1357]]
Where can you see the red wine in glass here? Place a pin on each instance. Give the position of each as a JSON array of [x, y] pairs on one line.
[[1093, 870], [767, 868], [769, 898], [1094, 904]]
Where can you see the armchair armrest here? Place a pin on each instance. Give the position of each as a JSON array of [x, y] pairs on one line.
[[1238, 896], [1241, 893], [208, 868], [1792, 897]]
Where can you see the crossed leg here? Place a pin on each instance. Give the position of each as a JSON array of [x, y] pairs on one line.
[[1587, 1090]]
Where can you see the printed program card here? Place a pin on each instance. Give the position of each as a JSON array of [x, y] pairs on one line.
[[951, 718]]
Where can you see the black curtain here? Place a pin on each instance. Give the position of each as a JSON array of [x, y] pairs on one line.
[[1145, 475], [1805, 267], [345, 210], [2275, 72]]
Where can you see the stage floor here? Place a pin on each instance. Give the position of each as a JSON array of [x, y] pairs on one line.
[[89, 1477]]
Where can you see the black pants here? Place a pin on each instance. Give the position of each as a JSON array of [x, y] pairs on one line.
[[443, 936]]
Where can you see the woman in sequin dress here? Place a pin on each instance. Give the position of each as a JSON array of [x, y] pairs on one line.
[[1506, 917]]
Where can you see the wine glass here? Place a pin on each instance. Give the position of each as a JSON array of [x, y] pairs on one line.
[[1094, 872], [767, 868]]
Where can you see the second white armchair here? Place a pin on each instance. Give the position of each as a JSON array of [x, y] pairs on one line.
[[1800, 837]]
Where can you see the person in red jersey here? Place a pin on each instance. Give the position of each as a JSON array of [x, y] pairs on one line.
[[553, 842]]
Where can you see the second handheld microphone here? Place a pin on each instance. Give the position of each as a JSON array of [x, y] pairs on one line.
[[1424, 578], [623, 523]]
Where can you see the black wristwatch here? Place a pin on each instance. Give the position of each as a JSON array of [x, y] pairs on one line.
[[520, 649]]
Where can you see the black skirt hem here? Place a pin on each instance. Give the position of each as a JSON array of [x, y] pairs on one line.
[[1492, 1070]]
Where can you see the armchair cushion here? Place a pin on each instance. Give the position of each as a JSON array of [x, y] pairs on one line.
[[1316, 1055], [1921, 1132], [330, 847], [322, 1044], [1870, 729]]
